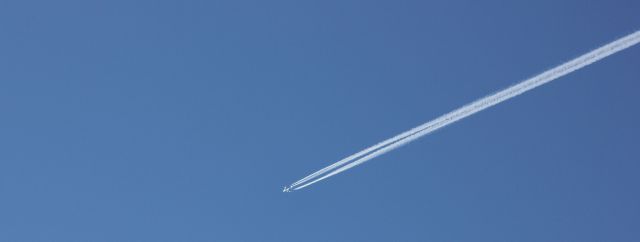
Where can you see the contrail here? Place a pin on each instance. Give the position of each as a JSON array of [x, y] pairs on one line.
[[467, 110], [364, 152]]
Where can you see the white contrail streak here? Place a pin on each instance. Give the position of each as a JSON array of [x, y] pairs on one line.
[[363, 152], [467, 110]]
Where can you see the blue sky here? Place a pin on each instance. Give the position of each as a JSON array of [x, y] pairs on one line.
[[182, 120]]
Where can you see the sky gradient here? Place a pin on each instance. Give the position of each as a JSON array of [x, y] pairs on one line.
[[183, 120]]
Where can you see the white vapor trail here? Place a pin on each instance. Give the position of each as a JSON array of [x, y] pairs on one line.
[[467, 110]]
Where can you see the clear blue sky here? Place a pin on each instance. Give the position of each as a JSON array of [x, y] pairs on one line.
[[182, 120]]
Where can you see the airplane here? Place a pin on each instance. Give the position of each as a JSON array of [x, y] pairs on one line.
[[286, 189]]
